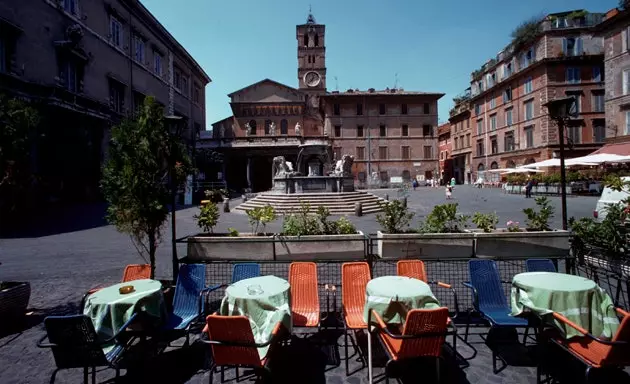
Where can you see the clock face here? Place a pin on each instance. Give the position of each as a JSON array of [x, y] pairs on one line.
[[312, 79]]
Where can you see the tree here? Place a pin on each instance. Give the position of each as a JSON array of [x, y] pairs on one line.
[[143, 155]]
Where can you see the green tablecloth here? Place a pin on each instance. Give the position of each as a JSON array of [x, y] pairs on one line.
[[264, 300], [109, 309], [393, 296], [576, 298]]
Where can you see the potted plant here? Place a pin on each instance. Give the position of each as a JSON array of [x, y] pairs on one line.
[[442, 235], [537, 240], [14, 297]]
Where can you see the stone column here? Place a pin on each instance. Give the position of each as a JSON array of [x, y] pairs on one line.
[[249, 177]]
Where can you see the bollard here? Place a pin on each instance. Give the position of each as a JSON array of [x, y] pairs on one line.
[[226, 205], [358, 209], [387, 197], [244, 197], [404, 201]]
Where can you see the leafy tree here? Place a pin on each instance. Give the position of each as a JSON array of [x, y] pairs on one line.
[[136, 177]]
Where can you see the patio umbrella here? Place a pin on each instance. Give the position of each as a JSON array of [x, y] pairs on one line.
[[523, 170], [600, 158], [556, 163]]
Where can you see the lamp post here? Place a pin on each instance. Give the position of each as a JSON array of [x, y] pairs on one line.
[[560, 110], [174, 126]]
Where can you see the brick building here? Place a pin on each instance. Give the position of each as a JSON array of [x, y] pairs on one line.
[[88, 64], [444, 146], [461, 139], [390, 132], [509, 125]]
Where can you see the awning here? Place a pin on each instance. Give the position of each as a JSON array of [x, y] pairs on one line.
[[622, 149]]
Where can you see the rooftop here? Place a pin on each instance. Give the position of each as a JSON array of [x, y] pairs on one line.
[[383, 92]]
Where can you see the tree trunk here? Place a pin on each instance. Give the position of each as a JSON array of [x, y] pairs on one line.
[[152, 249]]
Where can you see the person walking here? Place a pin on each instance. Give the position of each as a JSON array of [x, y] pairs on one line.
[[449, 192], [528, 187]]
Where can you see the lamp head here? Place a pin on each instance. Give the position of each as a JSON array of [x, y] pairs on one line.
[[174, 123], [562, 108]]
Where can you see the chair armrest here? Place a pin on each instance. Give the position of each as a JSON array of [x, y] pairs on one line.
[[449, 286], [475, 294], [205, 292], [622, 313], [275, 334], [382, 327], [122, 329], [41, 344], [584, 332]]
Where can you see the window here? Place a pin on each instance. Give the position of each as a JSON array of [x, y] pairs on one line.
[[598, 102], [115, 31], [494, 145], [529, 137], [117, 96], [196, 94], [406, 175], [599, 133], [578, 100], [508, 142], [383, 175], [598, 73], [456, 143], [406, 154], [70, 6], [574, 134], [284, 127], [157, 63], [359, 109], [337, 130], [428, 152], [480, 149], [359, 131], [626, 81], [138, 45], [508, 117], [336, 109], [252, 126], [184, 88], [528, 85], [382, 130], [267, 127], [177, 79], [477, 109], [70, 74], [138, 101], [479, 126], [4, 54], [405, 130], [527, 58], [381, 109], [493, 122], [337, 152], [467, 124], [492, 102], [426, 108], [573, 75], [360, 153], [627, 132], [427, 130], [572, 46], [382, 153], [507, 95], [403, 109], [507, 72], [529, 110], [468, 140]]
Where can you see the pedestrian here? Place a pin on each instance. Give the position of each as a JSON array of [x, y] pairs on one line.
[[449, 192], [414, 184], [528, 187], [452, 183]]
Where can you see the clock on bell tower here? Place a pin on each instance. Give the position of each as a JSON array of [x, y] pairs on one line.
[[311, 52]]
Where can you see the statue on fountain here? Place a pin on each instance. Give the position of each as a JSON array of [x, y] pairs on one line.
[[344, 166], [282, 168]]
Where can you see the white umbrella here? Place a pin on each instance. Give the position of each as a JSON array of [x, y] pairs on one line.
[[523, 170], [499, 170], [599, 158], [556, 163]]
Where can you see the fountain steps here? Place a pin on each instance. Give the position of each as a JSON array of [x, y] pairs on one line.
[[337, 203]]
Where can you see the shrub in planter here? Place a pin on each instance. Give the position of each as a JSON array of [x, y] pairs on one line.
[[395, 217], [538, 220], [260, 216], [485, 221], [208, 217], [445, 219]]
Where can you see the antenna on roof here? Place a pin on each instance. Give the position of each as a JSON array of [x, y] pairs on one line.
[[396, 80], [336, 84]]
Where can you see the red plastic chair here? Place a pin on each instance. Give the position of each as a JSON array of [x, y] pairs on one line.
[[132, 272], [354, 279], [304, 294]]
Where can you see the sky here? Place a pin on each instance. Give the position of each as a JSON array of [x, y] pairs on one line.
[[419, 45]]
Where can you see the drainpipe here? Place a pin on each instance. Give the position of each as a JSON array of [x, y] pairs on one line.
[[369, 141]]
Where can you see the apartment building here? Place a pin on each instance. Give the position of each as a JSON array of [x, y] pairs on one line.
[[510, 126], [461, 139], [86, 65], [444, 145]]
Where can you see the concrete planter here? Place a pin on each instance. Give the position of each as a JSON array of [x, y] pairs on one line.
[[220, 246], [320, 247], [527, 244], [425, 246]]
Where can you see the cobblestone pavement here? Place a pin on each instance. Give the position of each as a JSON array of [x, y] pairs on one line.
[[64, 255]]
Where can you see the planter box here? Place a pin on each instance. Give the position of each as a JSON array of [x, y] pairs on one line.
[[220, 246], [14, 299], [321, 247], [425, 246], [527, 244]]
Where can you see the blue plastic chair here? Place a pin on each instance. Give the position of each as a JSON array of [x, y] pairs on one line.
[[188, 303], [540, 265], [489, 300], [245, 271]]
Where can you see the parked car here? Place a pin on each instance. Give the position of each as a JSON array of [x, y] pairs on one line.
[[610, 196]]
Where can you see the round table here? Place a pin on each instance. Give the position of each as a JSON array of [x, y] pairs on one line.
[[264, 300], [109, 309], [577, 298], [393, 296]]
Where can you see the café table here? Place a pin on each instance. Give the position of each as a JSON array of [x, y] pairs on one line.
[[264, 300], [109, 309], [575, 297]]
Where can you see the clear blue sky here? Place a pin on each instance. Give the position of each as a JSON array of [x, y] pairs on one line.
[[433, 45]]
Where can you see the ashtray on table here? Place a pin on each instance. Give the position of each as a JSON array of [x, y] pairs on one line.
[[126, 289]]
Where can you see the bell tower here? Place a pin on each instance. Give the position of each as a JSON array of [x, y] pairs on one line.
[[311, 52]]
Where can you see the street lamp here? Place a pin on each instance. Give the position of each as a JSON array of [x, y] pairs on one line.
[[560, 110], [174, 127]]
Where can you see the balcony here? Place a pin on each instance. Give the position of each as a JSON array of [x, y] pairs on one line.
[[573, 20]]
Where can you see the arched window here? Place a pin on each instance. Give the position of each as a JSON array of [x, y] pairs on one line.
[[252, 125], [494, 165], [406, 175], [481, 168], [284, 127], [510, 164], [316, 40], [305, 40], [530, 161], [267, 125]]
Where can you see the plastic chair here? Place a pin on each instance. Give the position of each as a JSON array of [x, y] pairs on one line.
[[232, 344], [540, 265], [412, 268], [244, 271], [354, 279], [489, 300], [74, 344], [423, 335], [131, 272], [593, 351], [304, 294]]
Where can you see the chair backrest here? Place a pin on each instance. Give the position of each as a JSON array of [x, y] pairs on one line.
[[304, 291], [354, 279], [620, 355], [421, 321], [540, 265], [244, 271], [76, 340], [190, 281], [136, 272], [412, 268], [484, 276], [234, 329]]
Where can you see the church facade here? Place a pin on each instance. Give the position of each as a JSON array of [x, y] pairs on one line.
[[390, 133]]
